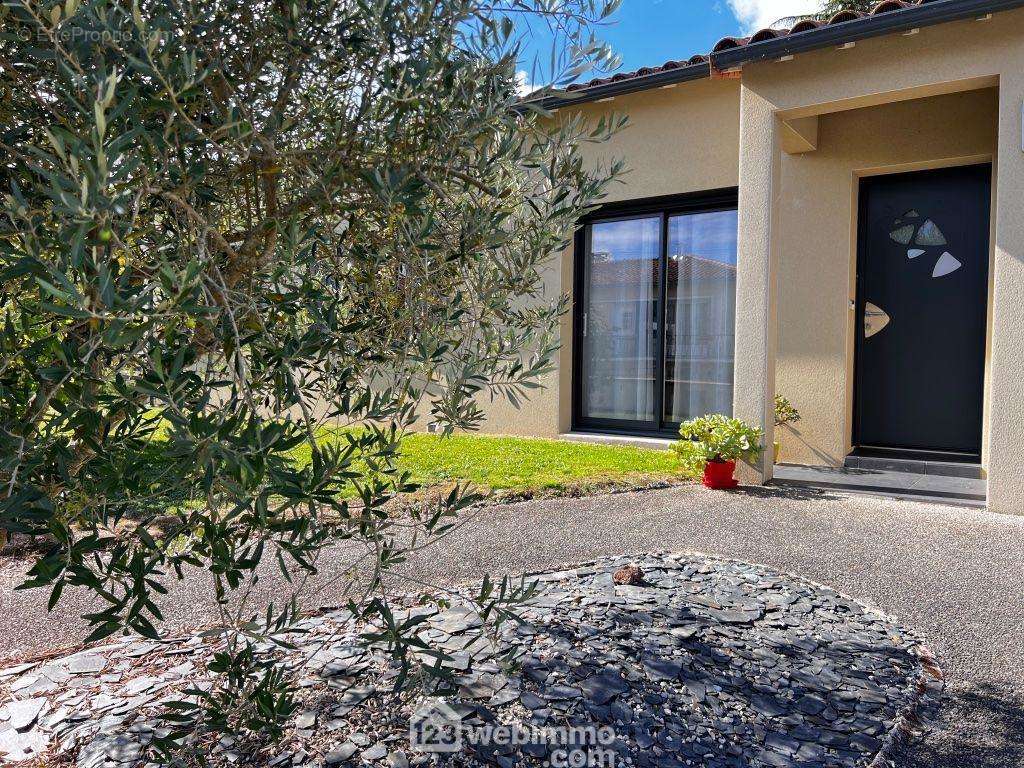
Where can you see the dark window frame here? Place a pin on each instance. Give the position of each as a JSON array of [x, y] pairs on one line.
[[665, 207]]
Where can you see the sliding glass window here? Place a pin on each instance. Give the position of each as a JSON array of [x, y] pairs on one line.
[[700, 327], [655, 318], [623, 271]]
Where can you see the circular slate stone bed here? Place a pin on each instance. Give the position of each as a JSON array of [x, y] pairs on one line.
[[706, 662]]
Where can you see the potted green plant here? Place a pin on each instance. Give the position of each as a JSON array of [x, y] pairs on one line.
[[713, 444], [785, 414]]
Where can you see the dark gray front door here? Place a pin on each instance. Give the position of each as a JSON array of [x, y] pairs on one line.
[[922, 312]]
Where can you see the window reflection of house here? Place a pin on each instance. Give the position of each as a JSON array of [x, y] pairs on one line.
[[699, 337], [622, 312], [624, 338]]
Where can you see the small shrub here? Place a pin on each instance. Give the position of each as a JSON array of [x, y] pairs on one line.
[[785, 412], [716, 438]]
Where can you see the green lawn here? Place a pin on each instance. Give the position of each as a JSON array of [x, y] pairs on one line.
[[516, 465], [520, 464], [527, 464]]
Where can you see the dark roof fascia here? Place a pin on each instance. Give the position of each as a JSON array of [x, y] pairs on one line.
[[901, 20], [630, 85]]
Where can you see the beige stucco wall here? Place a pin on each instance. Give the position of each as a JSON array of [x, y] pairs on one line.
[[679, 140], [817, 246]]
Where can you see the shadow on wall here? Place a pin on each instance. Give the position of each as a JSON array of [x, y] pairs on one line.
[[826, 459]]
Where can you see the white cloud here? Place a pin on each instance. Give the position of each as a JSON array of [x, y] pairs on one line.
[[523, 84], [757, 14]]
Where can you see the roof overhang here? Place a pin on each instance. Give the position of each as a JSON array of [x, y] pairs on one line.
[[936, 12], [929, 13], [629, 85]]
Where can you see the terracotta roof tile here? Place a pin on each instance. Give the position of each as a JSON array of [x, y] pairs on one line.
[[729, 43], [768, 34], [805, 26]]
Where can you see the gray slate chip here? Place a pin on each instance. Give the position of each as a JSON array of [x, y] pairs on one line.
[[21, 714], [661, 668], [602, 688], [16, 746], [341, 754], [376, 752], [532, 700], [82, 664]]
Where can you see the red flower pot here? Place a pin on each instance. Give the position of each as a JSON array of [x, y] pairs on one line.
[[719, 475]]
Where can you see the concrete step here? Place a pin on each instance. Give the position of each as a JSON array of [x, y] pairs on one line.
[[973, 471], [881, 482]]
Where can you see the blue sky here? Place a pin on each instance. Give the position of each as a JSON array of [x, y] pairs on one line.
[[651, 32], [648, 32]]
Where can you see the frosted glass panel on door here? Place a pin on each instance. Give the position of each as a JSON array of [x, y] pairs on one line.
[[620, 319], [700, 332]]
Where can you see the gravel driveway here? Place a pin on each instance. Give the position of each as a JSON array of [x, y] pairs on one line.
[[956, 575]]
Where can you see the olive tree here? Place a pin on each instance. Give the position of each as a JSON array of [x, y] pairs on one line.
[[245, 246]]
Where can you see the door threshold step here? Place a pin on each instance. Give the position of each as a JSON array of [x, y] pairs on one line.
[[921, 498], [944, 489], [971, 470]]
